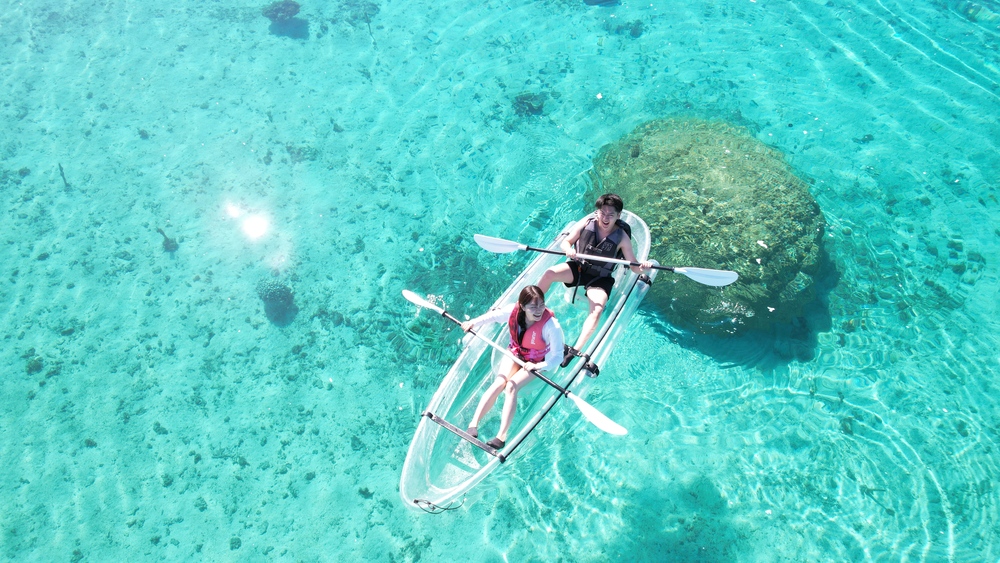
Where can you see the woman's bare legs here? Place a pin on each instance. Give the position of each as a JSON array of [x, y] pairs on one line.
[[516, 382], [491, 394]]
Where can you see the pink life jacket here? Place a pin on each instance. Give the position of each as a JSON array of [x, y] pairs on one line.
[[532, 347]]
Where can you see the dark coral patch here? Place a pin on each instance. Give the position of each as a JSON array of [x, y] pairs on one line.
[[528, 104], [279, 302], [281, 11], [716, 197]]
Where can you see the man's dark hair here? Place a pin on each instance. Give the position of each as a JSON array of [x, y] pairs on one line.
[[614, 200]]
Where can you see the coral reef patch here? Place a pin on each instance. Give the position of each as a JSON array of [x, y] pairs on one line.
[[357, 12], [279, 302], [283, 21], [169, 244], [528, 104], [281, 11], [716, 197]]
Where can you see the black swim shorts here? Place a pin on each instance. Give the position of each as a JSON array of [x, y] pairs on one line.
[[588, 280]]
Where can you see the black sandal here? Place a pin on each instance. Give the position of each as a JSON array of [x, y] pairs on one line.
[[496, 443], [473, 431], [568, 353]]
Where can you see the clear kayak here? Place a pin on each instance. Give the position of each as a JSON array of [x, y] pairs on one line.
[[443, 464]]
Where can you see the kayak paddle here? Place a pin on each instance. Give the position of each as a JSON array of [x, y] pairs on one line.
[[596, 417], [714, 278]]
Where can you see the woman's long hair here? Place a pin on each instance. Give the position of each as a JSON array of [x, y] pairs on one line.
[[528, 294]]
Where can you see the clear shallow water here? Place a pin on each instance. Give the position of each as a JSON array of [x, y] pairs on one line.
[[170, 419]]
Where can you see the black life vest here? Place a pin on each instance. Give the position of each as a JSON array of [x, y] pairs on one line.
[[608, 248]]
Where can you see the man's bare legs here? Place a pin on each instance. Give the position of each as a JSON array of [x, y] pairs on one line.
[[598, 299], [595, 295], [557, 273]]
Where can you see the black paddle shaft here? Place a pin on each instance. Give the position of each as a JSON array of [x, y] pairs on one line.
[[536, 373], [561, 253]]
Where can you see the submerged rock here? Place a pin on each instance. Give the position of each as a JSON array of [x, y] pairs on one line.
[[716, 197], [281, 11], [169, 244], [527, 104], [279, 302], [283, 21]]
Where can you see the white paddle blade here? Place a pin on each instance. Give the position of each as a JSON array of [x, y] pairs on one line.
[[421, 302], [498, 245], [596, 417], [715, 278]]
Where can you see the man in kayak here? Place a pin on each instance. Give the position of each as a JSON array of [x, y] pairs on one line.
[[535, 338], [606, 235]]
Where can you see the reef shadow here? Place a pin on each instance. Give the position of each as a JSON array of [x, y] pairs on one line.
[[778, 345], [296, 28], [280, 314]]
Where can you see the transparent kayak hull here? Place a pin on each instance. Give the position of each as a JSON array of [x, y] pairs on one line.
[[440, 466]]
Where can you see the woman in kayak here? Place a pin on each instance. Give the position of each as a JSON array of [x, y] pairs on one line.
[[535, 338]]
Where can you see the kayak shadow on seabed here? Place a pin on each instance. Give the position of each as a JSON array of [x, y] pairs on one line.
[[781, 344]]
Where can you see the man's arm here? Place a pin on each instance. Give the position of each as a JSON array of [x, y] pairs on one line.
[[629, 254], [568, 245]]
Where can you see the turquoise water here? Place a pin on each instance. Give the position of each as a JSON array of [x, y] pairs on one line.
[[152, 410]]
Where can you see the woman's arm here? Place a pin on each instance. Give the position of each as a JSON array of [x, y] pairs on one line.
[[491, 316], [553, 335]]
